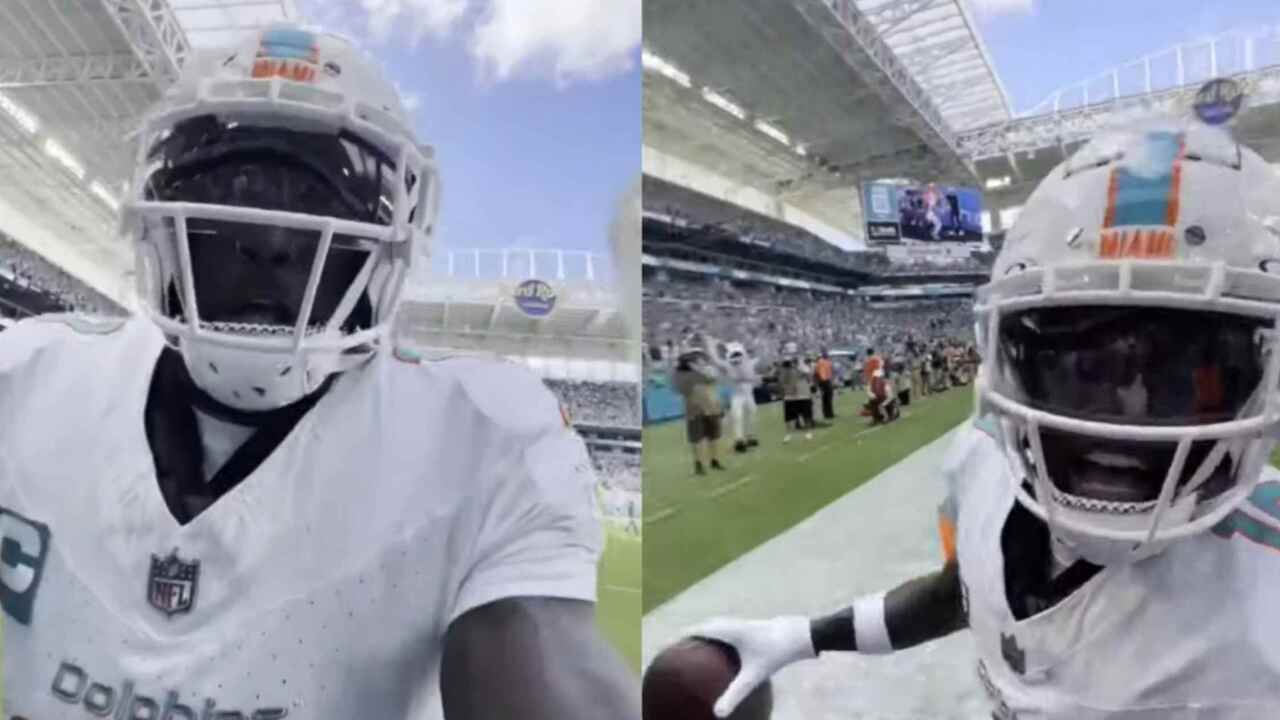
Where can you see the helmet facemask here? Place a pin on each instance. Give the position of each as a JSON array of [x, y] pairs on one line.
[[274, 257], [1129, 427]]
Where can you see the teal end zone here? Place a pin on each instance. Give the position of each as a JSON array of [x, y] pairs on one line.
[[662, 402]]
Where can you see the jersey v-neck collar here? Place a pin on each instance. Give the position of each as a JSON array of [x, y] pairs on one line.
[[172, 435]]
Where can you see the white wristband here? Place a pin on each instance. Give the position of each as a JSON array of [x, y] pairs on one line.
[[869, 630]]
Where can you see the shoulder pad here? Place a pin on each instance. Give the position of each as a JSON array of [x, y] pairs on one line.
[[421, 356], [26, 339], [988, 425], [972, 433], [1266, 497], [407, 355], [85, 324], [508, 394]]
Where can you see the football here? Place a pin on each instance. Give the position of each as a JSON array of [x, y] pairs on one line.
[[684, 680]]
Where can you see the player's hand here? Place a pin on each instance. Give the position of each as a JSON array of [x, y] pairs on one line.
[[764, 647]]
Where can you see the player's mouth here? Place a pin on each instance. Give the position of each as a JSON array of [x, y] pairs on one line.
[[1111, 476], [1105, 469], [263, 312]]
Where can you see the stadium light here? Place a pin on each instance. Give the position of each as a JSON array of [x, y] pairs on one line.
[[656, 64], [104, 195], [19, 115], [723, 103], [59, 153], [773, 132], [994, 183]]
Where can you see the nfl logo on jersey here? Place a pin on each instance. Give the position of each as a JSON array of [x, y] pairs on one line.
[[171, 587]]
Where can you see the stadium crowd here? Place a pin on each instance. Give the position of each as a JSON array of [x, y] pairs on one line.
[[763, 317], [612, 404], [31, 272], [620, 470], [706, 217], [885, 265]]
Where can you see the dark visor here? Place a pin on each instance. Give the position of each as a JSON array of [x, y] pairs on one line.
[[1143, 366], [215, 161]]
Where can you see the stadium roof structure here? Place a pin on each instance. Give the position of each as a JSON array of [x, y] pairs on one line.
[[806, 99], [216, 23], [1014, 155], [937, 42], [74, 80]]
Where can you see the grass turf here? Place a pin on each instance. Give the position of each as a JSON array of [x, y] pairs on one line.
[[694, 525], [618, 610]]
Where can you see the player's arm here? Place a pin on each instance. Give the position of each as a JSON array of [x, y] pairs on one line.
[[917, 611], [535, 659], [923, 609], [521, 640]]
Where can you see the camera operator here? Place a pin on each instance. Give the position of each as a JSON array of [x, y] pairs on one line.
[[696, 377]]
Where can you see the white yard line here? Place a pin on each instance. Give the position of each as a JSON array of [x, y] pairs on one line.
[[730, 487], [661, 515]]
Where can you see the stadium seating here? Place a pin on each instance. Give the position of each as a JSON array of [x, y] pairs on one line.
[[762, 317], [31, 285], [609, 404]]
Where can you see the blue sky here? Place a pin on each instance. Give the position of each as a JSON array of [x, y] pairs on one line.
[[1039, 46], [533, 107]]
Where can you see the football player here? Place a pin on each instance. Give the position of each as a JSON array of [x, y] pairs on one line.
[[246, 503], [1112, 527]]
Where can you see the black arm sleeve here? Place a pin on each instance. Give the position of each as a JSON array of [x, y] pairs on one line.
[[534, 659], [917, 611]]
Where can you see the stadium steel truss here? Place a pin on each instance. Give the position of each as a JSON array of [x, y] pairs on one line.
[[861, 89], [926, 51], [1020, 151], [921, 65], [75, 76], [1156, 83]]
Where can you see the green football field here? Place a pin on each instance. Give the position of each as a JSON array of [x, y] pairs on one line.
[[694, 525], [618, 611]]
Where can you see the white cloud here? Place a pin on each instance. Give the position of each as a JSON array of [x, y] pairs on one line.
[[419, 17], [989, 8], [581, 39], [569, 40]]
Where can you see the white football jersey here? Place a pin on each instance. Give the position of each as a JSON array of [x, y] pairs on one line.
[[320, 587], [1190, 633], [743, 375]]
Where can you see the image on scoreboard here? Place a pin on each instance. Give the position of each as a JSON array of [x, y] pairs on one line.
[[936, 212]]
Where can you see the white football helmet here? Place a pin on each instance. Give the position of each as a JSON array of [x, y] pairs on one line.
[[292, 143], [1129, 339]]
